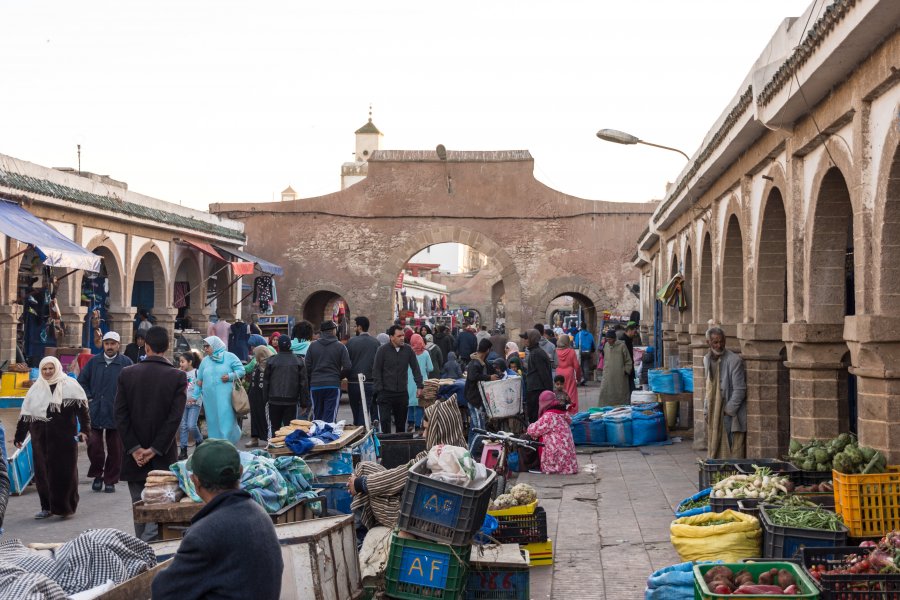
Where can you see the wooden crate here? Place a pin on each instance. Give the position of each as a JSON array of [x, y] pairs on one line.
[[136, 588]]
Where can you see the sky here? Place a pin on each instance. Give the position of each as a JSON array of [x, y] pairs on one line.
[[200, 102]]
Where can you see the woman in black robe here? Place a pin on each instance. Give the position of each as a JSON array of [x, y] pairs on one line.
[[53, 407]]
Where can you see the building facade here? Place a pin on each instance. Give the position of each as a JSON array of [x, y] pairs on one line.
[[785, 225]]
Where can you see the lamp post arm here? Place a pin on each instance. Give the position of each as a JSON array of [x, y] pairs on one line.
[[665, 148]]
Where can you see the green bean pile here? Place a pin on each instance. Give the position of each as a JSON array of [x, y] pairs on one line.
[[704, 501], [805, 518]]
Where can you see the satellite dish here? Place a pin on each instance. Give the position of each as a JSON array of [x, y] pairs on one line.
[[441, 152]]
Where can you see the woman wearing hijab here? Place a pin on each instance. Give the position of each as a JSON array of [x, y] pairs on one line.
[[414, 413], [259, 425], [383, 338], [617, 366], [215, 382], [408, 333], [377, 491], [451, 368], [437, 357], [568, 366], [53, 405], [553, 429]]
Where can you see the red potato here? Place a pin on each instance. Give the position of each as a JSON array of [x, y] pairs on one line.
[[792, 589], [722, 589], [758, 589]]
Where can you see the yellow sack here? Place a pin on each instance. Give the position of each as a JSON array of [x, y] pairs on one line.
[[729, 542]]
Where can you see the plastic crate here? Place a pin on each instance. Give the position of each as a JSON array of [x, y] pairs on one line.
[[334, 488], [849, 586], [525, 509], [749, 506], [824, 500], [443, 512], [539, 553], [722, 504], [499, 582], [399, 448], [418, 569], [802, 477], [870, 504], [522, 529], [785, 542], [808, 588], [713, 470]]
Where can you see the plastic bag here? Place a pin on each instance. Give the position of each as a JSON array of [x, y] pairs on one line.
[[730, 542], [167, 493], [694, 511], [452, 464]]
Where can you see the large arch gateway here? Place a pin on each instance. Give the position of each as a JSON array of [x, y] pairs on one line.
[[354, 242]]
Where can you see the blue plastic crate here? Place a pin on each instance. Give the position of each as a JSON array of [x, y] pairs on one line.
[[21, 468], [334, 488], [443, 512], [504, 583]]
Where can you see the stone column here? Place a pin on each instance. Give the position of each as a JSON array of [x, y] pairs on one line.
[[768, 421], [818, 380], [698, 348], [683, 340], [670, 343], [9, 316], [165, 317], [121, 320], [874, 342], [73, 318]]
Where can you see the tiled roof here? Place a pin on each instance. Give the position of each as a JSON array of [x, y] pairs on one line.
[[814, 38], [368, 128], [27, 183]]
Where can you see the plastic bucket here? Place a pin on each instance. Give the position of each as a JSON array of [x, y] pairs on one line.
[[671, 410]]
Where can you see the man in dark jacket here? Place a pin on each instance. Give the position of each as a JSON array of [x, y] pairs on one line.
[[99, 378], [390, 374], [136, 350], [361, 349], [231, 549], [285, 386], [149, 403], [478, 370], [326, 359], [444, 340], [467, 344], [539, 376]]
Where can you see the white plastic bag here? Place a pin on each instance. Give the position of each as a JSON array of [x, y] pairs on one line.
[[452, 464], [162, 494]]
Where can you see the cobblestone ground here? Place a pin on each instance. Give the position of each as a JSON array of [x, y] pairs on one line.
[[609, 524]]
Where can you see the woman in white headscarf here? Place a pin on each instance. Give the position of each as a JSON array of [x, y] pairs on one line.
[[215, 382], [51, 412]]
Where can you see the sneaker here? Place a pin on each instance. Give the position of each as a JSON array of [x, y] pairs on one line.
[[110, 488], [98, 484], [536, 471], [253, 443], [42, 514], [182, 454]]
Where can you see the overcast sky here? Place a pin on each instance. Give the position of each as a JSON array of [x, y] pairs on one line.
[[201, 101]]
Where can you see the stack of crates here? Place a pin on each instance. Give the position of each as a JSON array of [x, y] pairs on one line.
[[526, 526], [441, 519], [498, 572]]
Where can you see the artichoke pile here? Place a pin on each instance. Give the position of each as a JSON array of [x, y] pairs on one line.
[[843, 454]]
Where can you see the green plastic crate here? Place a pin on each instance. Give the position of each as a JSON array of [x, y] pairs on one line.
[[701, 590], [419, 569]]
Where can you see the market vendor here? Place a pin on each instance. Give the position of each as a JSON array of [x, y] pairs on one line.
[[725, 403], [377, 492]]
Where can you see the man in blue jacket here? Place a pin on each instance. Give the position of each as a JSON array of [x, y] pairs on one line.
[[326, 361], [584, 344], [231, 549], [99, 378]]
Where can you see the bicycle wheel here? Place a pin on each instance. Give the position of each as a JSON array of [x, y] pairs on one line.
[[499, 487]]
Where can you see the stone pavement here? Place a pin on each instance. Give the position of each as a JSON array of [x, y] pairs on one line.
[[609, 524]]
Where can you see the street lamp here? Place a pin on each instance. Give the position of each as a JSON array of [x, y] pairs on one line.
[[620, 137]]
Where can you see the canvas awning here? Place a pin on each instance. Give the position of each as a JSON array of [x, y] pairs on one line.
[[237, 267], [264, 265], [55, 249]]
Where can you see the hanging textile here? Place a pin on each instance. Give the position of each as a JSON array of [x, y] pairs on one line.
[[262, 292], [673, 293], [181, 290]]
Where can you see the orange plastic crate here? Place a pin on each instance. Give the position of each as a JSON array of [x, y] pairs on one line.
[[869, 504]]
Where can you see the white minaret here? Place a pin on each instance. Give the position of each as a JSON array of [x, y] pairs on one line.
[[368, 140]]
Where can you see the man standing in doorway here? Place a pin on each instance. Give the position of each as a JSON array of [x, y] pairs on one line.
[[326, 359], [390, 373], [725, 404], [99, 378], [584, 343], [362, 349], [149, 404]]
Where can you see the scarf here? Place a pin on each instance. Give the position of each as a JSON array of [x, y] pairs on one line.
[[40, 398], [546, 401], [218, 348], [299, 347], [417, 343], [444, 424], [262, 354], [511, 348]]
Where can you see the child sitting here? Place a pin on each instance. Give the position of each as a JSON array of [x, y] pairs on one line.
[[559, 389], [553, 430]]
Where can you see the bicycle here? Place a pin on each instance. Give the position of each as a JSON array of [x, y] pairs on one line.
[[508, 443]]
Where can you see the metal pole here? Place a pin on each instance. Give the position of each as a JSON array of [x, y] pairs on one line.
[[665, 148], [365, 402]]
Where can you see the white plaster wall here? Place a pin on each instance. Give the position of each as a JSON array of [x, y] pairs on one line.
[[137, 242], [884, 115], [67, 229]]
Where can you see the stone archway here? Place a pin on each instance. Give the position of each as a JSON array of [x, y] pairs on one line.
[[733, 274], [317, 307], [771, 267], [687, 315], [420, 240], [102, 292], [705, 287], [592, 300], [150, 287], [189, 291], [832, 270], [888, 297]]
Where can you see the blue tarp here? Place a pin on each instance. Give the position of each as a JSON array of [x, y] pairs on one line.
[[55, 249], [264, 265]]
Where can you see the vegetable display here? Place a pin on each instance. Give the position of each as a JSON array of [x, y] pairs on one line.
[[699, 503], [873, 558], [722, 580], [520, 494], [762, 484], [842, 454], [805, 518]]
